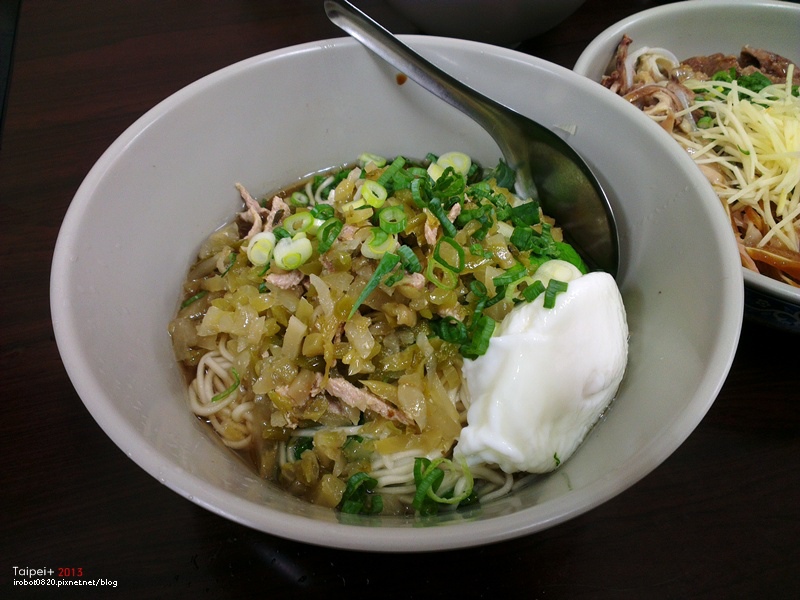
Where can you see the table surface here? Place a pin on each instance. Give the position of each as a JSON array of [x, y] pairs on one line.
[[719, 518]]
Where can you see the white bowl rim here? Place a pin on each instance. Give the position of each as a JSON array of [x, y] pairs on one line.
[[339, 535]]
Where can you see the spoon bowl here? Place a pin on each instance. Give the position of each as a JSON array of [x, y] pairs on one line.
[[548, 168]]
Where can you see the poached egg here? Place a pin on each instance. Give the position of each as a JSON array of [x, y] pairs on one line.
[[547, 376]]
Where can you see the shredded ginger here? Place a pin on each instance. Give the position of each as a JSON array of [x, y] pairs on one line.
[[755, 142]]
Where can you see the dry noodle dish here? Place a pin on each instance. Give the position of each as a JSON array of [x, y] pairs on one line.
[[399, 337], [739, 119]]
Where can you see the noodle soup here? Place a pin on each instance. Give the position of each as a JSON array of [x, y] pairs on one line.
[[738, 117], [324, 330]]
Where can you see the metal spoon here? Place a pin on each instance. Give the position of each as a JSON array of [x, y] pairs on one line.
[[548, 169]]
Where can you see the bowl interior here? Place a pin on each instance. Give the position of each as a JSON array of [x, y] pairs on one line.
[[137, 220]]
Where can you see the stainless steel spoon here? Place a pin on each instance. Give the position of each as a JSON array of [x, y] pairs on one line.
[[548, 169]]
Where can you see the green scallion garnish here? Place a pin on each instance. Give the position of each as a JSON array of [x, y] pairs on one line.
[[554, 287], [410, 261], [224, 394], [390, 171], [300, 445], [392, 219], [357, 497], [322, 211], [298, 222], [533, 291], [387, 263], [428, 477], [513, 274], [435, 206], [195, 298], [327, 234], [298, 199], [458, 263], [526, 214], [230, 264]]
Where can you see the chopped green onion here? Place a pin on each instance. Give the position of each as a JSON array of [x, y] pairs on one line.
[[298, 199], [417, 172], [260, 248], [523, 238], [463, 495], [300, 445], [298, 222], [450, 330], [327, 234], [503, 175], [458, 266], [427, 476], [526, 214], [281, 232], [224, 394], [435, 170], [705, 122], [440, 276], [378, 243], [420, 192], [479, 289], [500, 294], [368, 157], [482, 330], [554, 287], [435, 206], [392, 219], [449, 183], [726, 75], [290, 253], [230, 264], [387, 263], [569, 254], [459, 161], [755, 82], [533, 291], [394, 278], [373, 193], [513, 274], [195, 298], [357, 497], [409, 259], [322, 211], [402, 180], [390, 171], [448, 279]]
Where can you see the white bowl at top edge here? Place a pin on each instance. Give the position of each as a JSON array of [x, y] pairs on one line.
[[701, 27], [271, 119]]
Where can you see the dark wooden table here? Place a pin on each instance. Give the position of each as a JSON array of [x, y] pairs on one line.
[[719, 519]]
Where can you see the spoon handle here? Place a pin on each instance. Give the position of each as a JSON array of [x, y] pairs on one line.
[[485, 111], [547, 167]]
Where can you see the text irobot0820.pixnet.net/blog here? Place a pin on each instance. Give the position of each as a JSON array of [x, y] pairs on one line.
[[57, 577]]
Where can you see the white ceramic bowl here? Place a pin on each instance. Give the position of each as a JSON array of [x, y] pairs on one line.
[[698, 27], [504, 22], [139, 217]]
